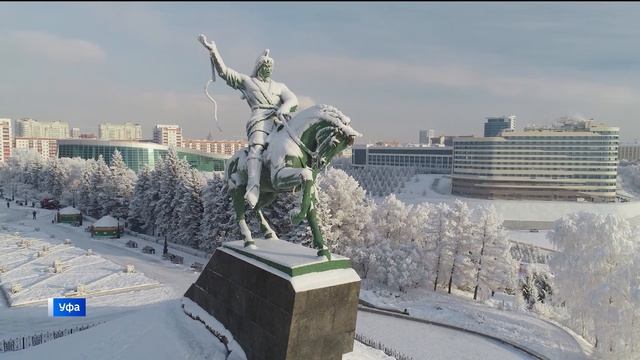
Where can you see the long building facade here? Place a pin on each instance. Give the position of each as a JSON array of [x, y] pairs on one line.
[[574, 160], [136, 154], [426, 159]]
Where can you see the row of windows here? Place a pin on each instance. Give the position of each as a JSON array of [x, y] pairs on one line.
[[531, 169], [534, 148], [593, 156], [518, 187], [541, 176], [612, 164], [546, 159], [410, 151], [534, 143]]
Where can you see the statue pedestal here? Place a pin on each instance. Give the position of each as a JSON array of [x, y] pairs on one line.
[[280, 300]]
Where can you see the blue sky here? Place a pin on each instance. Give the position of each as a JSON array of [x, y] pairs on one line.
[[394, 68]]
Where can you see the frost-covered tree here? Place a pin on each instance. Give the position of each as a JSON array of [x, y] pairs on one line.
[[398, 260], [151, 199], [190, 209], [137, 206], [170, 175], [457, 253], [99, 189], [218, 221], [55, 177], [494, 267], [439, 236], [119, 187], [85, 189], [597, 278], [345, 212]]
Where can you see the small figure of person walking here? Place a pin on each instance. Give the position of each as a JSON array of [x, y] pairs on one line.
[[34, 214]]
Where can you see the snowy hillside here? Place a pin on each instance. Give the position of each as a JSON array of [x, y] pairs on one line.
[[437, 188]]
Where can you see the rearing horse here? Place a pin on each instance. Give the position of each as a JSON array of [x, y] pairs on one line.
[[296, 151]]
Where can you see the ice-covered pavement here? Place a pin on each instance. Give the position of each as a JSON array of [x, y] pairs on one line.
[[424, 341], [523, 329]]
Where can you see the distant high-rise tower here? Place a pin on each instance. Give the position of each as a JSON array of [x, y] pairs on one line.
[[495, 125], [126, 131], [170, 135], [30, 128], [6, 139], [75, 133], [426, 135]]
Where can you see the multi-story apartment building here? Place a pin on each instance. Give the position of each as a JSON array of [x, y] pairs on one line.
[[126, 131], [426, 136], [573, 160], [48, 148], [6, 138], [495, 125], [30, 128], [226, 147], [170, 135], [75, 133]]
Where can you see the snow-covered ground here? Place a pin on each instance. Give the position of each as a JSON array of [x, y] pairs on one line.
[[32, 268], [519, 328], [437, 188], [444, 344], [150, 323]]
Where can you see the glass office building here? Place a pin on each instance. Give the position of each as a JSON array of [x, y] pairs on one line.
[[426, 159], [137, 155], [495, 125], [573, 160]]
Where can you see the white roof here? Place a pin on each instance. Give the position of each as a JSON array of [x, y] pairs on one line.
[[106, 221], [69, 210]]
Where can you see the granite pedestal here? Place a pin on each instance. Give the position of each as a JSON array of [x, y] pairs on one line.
[[280, 300]]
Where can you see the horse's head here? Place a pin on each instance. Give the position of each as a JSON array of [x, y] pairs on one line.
[[336, 134]]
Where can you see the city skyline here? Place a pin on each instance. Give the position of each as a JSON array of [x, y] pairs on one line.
[[432, 66]]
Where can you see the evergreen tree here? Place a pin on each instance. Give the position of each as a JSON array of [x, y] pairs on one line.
[[119, 187], [85, 190], [168, 181], [136, 217], [99, 189], [190, 209]]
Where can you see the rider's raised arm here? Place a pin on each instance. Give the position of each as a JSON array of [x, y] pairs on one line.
[[289, 100], [232, 77]]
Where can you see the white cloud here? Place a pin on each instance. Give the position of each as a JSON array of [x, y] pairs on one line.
[[473, 77], [53, 47]]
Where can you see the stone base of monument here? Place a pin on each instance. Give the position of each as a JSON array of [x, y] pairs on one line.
[[280, 300]]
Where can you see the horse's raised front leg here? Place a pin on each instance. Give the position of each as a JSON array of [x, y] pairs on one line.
[[318, 241], [265, 199], [237, 195]]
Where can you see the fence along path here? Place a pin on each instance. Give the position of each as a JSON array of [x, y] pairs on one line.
[[23, 342]]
